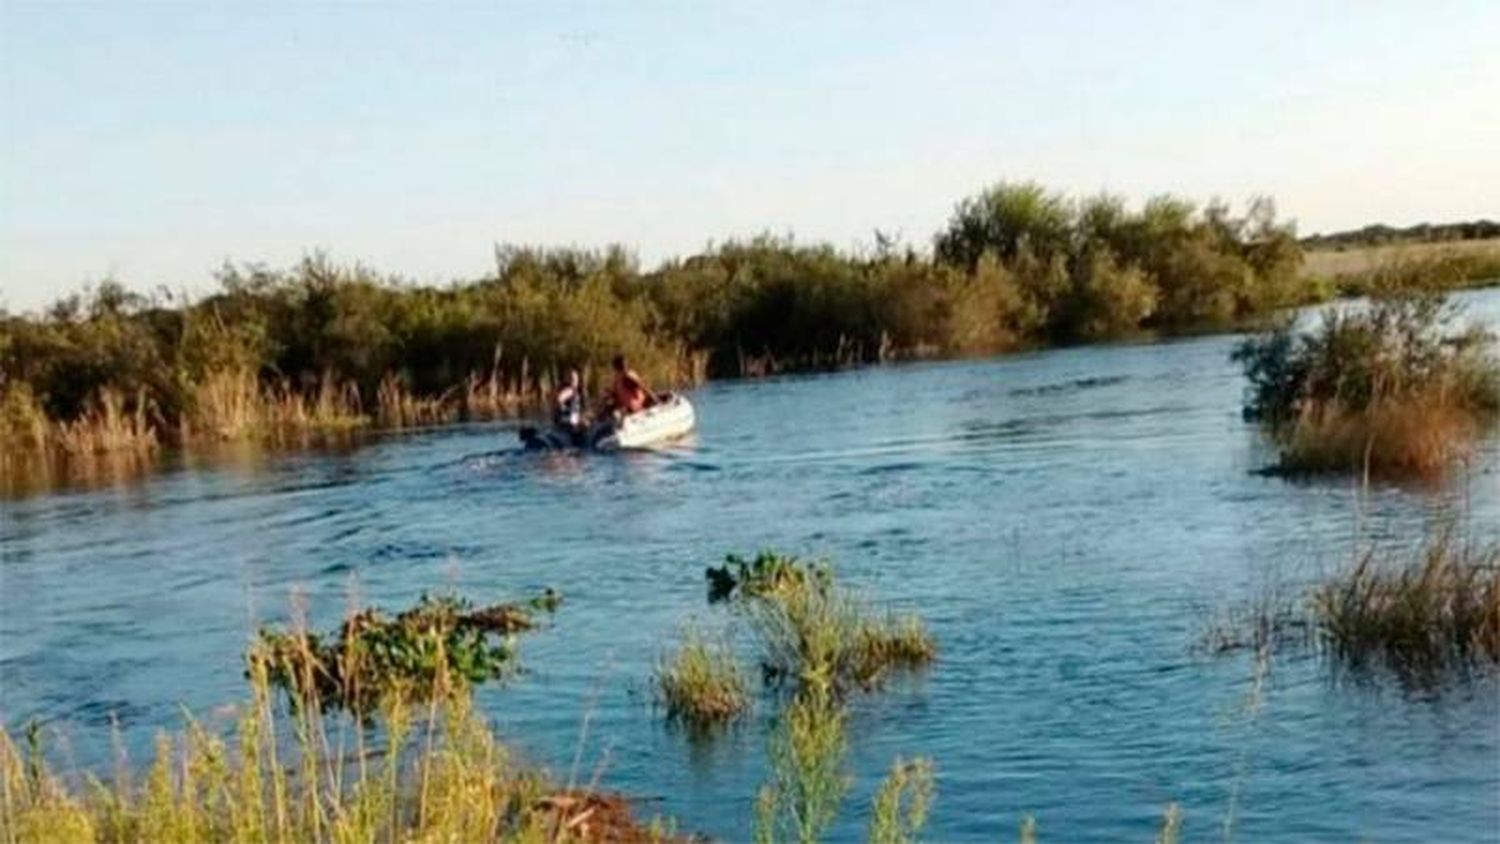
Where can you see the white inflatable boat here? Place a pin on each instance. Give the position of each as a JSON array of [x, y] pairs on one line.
[[669, 419]]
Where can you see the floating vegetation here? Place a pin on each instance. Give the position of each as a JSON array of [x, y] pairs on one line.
[[439, 642], [768, 575], [702, 684]]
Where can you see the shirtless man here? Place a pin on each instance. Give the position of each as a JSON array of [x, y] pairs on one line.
[[629, 393]]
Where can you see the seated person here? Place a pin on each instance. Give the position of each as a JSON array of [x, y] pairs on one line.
[[629, 393], [568, 404]]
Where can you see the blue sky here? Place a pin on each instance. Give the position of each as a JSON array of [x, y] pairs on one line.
[[152, 141]]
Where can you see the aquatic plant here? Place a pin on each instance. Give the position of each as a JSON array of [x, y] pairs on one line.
[[902, 803], [439, 642], [1422, 614], [1271, 621], [808, 777], [814, 633], [1426, 614], [890, 641], [701, 684], [1391, 390], [768, 575]]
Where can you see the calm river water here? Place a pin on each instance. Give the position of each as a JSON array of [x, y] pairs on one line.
[[1066, 521]]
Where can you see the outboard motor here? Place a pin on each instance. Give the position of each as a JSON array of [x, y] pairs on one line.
[[532, 439]]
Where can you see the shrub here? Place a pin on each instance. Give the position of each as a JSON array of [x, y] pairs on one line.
[[1390, 388]]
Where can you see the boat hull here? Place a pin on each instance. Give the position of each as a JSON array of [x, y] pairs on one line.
[[670, 419]]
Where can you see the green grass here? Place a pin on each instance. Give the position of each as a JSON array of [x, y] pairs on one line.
[[438, 774], [814, 633], [701, 684], [902, 803]]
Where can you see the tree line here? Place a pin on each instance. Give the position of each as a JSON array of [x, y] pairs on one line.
[[1017, 265]]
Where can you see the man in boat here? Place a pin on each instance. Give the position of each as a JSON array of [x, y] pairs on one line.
[[629, 393], [567, 407]]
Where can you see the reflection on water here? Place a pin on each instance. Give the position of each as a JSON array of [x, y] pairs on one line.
[[1063, 520]]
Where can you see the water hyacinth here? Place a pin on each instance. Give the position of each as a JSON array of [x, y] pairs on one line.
[[440, 640]]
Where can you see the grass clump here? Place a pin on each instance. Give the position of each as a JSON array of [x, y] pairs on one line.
[[1436, 610], [815, 633], [1426, 615], [441, 640], [702, 684], [1391, 390]]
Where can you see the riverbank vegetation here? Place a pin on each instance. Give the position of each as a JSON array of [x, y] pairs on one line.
[[323, 346], [1360, 271], [433, 771], [1390, 390]]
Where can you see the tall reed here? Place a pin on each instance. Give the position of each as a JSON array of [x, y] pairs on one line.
[[1427, 612], [109, 424]]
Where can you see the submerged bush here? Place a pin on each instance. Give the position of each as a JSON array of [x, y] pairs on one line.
[[1390, 388], [439, 643]]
